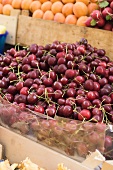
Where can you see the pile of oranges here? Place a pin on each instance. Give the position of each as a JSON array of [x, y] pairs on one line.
[[64, 11]]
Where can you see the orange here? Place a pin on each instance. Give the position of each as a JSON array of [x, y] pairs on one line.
[[7, 9], [68, 1], [80, 9], [48, 15], [81, 21], [1, 8], [35, 5], [71, 19], [4, 2], [94, 1], [54, 1], [84, 1], [46, 6], [42, 1], [91, 7], [16, 4], [59, 17], [57, 7], [26, 4], [38, 14], [67, 9]]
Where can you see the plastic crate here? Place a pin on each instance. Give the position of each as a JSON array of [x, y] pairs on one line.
[[2, 41]]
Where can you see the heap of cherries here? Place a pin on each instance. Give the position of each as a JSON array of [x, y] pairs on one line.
[[69, 80]]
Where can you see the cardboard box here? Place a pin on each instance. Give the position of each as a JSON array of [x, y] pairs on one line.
[[17, 148]]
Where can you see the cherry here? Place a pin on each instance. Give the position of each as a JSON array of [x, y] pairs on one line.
[[19, 85], [25, 60], [26, 68], [39, 53], [67, 111], [50, 111], [24, 91], [72, 85], [111, 70], [34, 86], [60, 55], [70, 73], [89, 58], [47, 47], [84, 114], [52, 61], [106, 99], [69, 57], [12, 89], [82, 67], [71, 65], [7, 60], [62, 68], [5, 71], [57, 85], [49, 91], [28, 82], [100, 70], [81, 49], [60, 111], [64, 81], [12, 77], [89, 84], [71, 92], [39, 109], [103, 81], [70, 101], [32, 98], [79, 80], [48, 82], [33, 48], [110, 79], [80, 92], [107, 108], [101, 52], [52, 75], [96, 86], [103, 63], [61, 60], [58, 94], [91, 95], [86, 104], [61, 101], [96, 111], [34, 63], [20, 98], [40, 91], [33, 74], [80, 99], [53, 52], [93, 77]]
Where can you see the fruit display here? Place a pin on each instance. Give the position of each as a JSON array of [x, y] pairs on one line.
[[64, 11], [103, 17], [61, 94], [26, 164]]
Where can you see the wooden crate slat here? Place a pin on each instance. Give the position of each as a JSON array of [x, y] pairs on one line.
[[11, 24], [32, 30]]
